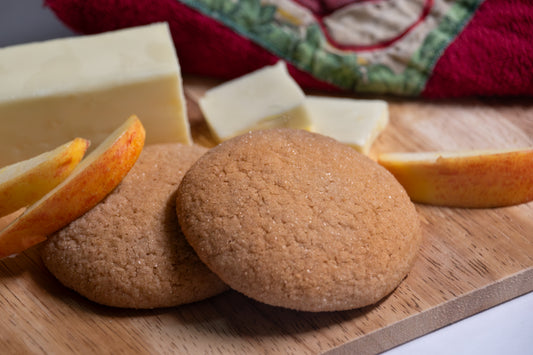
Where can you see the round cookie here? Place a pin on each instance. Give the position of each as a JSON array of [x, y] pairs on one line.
[[298, 220], [128, 251]]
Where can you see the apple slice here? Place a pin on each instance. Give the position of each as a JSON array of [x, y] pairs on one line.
[[23, 183], [97, 175], [473, 179]]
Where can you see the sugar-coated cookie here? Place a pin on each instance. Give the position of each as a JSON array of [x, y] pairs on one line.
[[128, 251], [298, 220]]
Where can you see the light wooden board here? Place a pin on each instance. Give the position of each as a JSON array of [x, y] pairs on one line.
[[470, 260]]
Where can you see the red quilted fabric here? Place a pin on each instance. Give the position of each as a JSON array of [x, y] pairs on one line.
[[493, 55]]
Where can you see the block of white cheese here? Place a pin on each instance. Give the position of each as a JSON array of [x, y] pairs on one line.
[[354, 122], [266, 98], [54, 91]]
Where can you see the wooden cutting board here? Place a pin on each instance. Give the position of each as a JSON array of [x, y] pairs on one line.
[[471, 259]]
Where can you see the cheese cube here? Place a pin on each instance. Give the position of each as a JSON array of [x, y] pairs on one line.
[[265, 98], [356, 123], [54, 91]]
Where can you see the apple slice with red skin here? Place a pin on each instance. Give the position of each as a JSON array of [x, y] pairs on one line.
[[93, 179], [470, 179], [25, 182]]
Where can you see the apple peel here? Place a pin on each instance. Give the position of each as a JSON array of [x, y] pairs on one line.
[[468, 179], [93, 179], [25, 182]]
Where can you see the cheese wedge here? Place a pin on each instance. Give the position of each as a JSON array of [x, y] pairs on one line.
[[54, 91], [356, 123], [265, 98]]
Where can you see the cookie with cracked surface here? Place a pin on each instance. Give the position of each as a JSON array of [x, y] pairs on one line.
[[298, 220], [128, 251]]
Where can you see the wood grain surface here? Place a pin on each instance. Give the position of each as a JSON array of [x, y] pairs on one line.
[[471, 259]]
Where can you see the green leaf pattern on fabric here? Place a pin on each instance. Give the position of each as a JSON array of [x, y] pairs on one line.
[[307, 48]]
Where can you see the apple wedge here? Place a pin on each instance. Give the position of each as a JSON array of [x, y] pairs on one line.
[[97, 175], [470, 179], [23, 183]]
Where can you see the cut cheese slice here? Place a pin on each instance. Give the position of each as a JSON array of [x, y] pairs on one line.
[[265, 98], [86, 86], [356, 123]]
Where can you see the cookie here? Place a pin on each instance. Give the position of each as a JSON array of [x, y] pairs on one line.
[[298, 220], [128, 251]]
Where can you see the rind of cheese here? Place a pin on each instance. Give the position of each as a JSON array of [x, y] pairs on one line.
[[265, 98], [86, 86], [354, 122]]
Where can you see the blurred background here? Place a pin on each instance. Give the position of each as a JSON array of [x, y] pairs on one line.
[[28, 21]]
